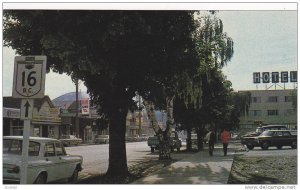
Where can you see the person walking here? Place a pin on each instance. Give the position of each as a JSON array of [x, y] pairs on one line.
[[211, 141], [225, 137]]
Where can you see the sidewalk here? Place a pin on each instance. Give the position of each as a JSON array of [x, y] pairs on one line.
[[195, 168]]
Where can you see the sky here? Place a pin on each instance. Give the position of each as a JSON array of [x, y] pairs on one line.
[[264, 41]]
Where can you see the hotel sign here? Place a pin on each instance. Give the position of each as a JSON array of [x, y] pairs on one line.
[[275, 77]]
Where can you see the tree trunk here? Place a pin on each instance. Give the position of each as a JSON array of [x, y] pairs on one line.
[[163, 136], [117, 166], [189, 140], [165, 150], [200, 138]]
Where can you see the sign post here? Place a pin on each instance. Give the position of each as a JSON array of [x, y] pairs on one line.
[[29, 83]]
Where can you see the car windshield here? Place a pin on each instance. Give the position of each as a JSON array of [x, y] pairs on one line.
[[13, 146], [259, 130], [267, 133]]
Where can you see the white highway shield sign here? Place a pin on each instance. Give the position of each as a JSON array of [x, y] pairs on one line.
[[29, 77]]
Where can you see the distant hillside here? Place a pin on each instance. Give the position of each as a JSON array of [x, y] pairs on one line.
[[67, 99]]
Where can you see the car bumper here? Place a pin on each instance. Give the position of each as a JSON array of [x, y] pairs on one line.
[[11, 181]]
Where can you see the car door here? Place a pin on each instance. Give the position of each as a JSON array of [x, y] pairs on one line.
[[277, 139], [287, 138], [52, 166], [66, 165]]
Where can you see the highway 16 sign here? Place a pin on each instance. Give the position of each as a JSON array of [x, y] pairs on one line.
[[29, 77]]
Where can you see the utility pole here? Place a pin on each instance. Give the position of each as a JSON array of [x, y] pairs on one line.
[[76, 113], [140, 115]]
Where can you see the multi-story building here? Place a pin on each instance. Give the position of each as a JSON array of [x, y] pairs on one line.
[[270, 107]]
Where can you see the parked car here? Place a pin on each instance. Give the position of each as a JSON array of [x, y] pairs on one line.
[[47, 161], [153, 142], [70, 140], [250, 140], [131, 138], [102, 139], [278, 138], [144, 137]]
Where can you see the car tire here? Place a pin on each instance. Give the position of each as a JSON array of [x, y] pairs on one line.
[[74, 177], [250, 147], [279, 147], [41, 179], [294, 144], [265, 145]]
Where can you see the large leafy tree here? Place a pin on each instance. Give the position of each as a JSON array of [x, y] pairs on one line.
[[215, 49], [116, 53]]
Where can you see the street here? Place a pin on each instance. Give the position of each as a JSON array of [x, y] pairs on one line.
[[95, 157]]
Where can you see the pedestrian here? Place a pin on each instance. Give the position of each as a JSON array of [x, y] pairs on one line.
[[211, 141], [225, 137]]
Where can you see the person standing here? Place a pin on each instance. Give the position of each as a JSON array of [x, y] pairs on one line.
[[225, 137], [211, 141]]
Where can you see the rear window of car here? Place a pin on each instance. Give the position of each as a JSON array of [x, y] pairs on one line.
[[12, 146]]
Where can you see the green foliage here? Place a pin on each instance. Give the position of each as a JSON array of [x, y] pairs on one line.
[[215, 49], [136, 51]]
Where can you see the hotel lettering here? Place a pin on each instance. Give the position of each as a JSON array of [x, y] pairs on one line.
[[274, 77]]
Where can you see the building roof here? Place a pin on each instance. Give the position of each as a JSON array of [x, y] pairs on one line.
[[10, 102]]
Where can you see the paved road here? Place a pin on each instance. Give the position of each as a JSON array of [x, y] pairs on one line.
[[95, 157]]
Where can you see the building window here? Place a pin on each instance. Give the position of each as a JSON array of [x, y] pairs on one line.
[[17, 122], [288, 98], [289, 112], [272, 99], [272, 112], [255, 113], [17, 131], [256, 99], [36, 131]]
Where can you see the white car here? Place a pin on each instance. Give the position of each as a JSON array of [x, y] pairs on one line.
[[102, 139], [70, 140], [47, 161]]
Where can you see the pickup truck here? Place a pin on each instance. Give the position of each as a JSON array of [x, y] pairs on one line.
[[278, 138], [153, 142], [250, 139]]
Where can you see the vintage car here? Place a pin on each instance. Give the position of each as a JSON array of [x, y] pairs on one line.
[[277, 138], [47, 161], [153, 142], [70, 140], [102, 139], [250, 139]]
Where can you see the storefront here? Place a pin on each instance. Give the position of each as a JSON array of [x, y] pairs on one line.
[[12, 125], [45, 120]]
